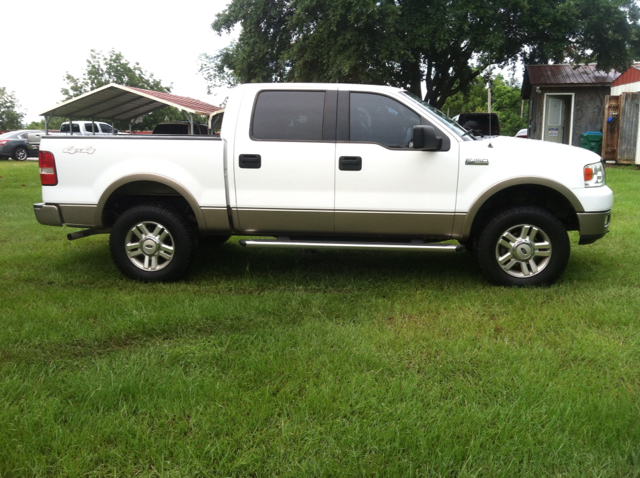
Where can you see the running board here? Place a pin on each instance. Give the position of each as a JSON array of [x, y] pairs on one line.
[[406, 246]]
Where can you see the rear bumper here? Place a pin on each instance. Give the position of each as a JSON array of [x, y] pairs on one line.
[[593, 226], [48, 214]]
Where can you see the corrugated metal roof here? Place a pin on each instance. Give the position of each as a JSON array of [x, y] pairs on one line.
[[546, 75], [564, 75], [117, 102]]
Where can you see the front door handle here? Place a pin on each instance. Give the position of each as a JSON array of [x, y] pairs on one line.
[[350, 163], [250, 161]]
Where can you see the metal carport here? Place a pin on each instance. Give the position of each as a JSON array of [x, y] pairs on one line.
[[117, 102]]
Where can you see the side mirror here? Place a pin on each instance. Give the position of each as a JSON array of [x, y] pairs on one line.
[[425, 139]]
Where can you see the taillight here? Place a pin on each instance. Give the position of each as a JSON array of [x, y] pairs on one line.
[[3, 142], [48, 175]]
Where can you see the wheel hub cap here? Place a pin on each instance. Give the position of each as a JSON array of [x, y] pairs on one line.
[[150, 246], [523, 251]]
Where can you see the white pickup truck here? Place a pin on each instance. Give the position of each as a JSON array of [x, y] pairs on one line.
[[83, 128], [328, 166]]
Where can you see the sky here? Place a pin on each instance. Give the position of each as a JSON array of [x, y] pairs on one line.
[[43, 40]]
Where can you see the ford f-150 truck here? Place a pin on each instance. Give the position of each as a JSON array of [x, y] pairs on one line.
[[328, 166]]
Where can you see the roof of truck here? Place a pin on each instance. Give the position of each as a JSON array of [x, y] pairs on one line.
[[118, 102]]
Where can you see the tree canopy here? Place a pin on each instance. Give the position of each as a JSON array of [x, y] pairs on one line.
[[445, 44], [10, 114], [114, 68]]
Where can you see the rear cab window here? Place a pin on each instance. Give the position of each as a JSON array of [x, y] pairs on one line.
[[288, 116], [65, 128]]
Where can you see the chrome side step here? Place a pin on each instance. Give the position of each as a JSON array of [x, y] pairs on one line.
[[406, 246]]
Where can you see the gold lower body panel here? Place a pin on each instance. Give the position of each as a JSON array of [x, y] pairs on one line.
[[378, 223]]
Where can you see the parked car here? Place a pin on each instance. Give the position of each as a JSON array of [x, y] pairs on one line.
[[522, 133], [179, 127], [14, 145], [485, 124]]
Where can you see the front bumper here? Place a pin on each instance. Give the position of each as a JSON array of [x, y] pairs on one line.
[[593, 226], [47, 214]]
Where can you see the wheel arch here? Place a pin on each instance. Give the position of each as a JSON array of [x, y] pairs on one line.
[[551, 195], [140, 187]]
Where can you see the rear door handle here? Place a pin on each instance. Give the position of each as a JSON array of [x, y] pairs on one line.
[[350, 163], [250, 161]]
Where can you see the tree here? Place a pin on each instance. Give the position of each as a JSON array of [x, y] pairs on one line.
[[10, 116], [446, 44], [54, 124], [114, 68], [505, 101]]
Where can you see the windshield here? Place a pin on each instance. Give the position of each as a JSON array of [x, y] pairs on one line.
[[444, 119]]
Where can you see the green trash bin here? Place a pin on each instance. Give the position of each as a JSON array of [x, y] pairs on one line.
[[591, 140]]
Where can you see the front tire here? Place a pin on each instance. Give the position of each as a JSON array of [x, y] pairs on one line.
[[20, 153], [151, 244], [525, 246]]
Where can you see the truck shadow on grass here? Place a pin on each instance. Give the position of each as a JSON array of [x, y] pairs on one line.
[[279, 266]]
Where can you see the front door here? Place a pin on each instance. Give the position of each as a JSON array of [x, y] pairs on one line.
[[557, 124], [383, 187]]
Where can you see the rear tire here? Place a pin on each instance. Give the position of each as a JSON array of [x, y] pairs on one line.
[[20, 153], [151, 244], [525, 246]]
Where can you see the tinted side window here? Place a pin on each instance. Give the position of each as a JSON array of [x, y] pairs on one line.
[[171, 129], [289, 115], [105, 128], [379, 119], [65, 128], [89, 128], [216, 124]]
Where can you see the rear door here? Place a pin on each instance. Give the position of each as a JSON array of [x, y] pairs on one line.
[[284, 162], [383, 187]]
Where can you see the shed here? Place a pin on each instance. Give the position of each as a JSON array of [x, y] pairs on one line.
[[118, 102], [565, 100]]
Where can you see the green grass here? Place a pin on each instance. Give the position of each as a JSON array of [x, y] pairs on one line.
[[281, 363]]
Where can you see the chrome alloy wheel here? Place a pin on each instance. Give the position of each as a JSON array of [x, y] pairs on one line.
[[149, 246], [20, 154], [523, 250]]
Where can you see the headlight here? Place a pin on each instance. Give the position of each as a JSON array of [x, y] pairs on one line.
[[594, 175]]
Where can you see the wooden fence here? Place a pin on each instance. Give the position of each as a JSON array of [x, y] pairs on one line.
[[620, 131]]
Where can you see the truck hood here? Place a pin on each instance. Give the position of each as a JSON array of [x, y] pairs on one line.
[[530, 149], [503, 158]]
